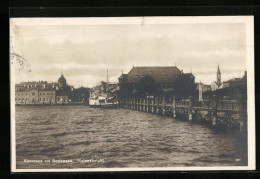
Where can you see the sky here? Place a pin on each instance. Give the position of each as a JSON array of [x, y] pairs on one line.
[[84, 52]]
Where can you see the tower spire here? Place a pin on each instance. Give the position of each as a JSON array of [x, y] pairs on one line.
[[218, 76], [62, 70], [107, 75]]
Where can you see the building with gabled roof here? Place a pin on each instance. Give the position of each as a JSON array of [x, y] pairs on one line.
[[164, 78], [217, 84], [159, 74]]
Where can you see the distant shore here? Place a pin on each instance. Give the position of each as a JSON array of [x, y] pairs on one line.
[[55, 104]]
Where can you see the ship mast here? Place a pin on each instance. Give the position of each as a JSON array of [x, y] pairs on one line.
[[107, 81], [107, 76]]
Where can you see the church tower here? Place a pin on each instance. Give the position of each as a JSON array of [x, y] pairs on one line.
[[62, 81], [218, 77]]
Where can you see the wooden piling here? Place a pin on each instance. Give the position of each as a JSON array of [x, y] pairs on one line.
[[148, 103], [241, 114], [214, 111], [134, 104], [144, 104], [141, 104], [173, 107], [163, 107], [157, 105], [152, 108], [190, 109]]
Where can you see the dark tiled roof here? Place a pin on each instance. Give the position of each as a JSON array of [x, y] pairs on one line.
[[123, 76], [47, 89], [234, 80], [35, 84], [188, 75], [36, 88], [26, 89], [159, 74]]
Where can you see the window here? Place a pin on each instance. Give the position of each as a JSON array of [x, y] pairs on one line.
[[40, 99], [40, 94], [33, 93], [26, 94], [43, 93], [47, 99], [101, 101], [47, 93], [43, 99], [51, 93]]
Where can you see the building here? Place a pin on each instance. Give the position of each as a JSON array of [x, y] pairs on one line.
[[235, 82], [42, 92], [166, 79], [46, 95], [217, 84], [80, 95], [203, 87], [104, 87], [63, 90]]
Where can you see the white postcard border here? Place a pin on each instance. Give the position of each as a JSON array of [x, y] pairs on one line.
[[248, 20]]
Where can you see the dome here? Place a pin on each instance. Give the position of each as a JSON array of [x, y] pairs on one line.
[[62, 80]]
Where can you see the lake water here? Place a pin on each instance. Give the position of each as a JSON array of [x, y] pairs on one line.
[[84, 137]]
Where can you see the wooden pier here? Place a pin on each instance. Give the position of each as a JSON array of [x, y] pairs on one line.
[[230, 113]]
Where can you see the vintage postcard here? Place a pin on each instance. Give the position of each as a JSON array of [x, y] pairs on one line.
[[132, 94]]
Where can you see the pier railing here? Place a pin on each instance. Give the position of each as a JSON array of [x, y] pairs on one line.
[[227, 112]]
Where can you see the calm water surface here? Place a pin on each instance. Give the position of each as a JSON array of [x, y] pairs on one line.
[[118, 138]]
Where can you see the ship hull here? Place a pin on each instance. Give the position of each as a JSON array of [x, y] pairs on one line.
[[108, 106], [103, 104]]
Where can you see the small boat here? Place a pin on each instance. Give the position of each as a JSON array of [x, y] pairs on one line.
[[103, 101]]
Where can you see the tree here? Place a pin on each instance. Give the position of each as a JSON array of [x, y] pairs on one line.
[[147, 85], [80, 94], [184, 86]]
